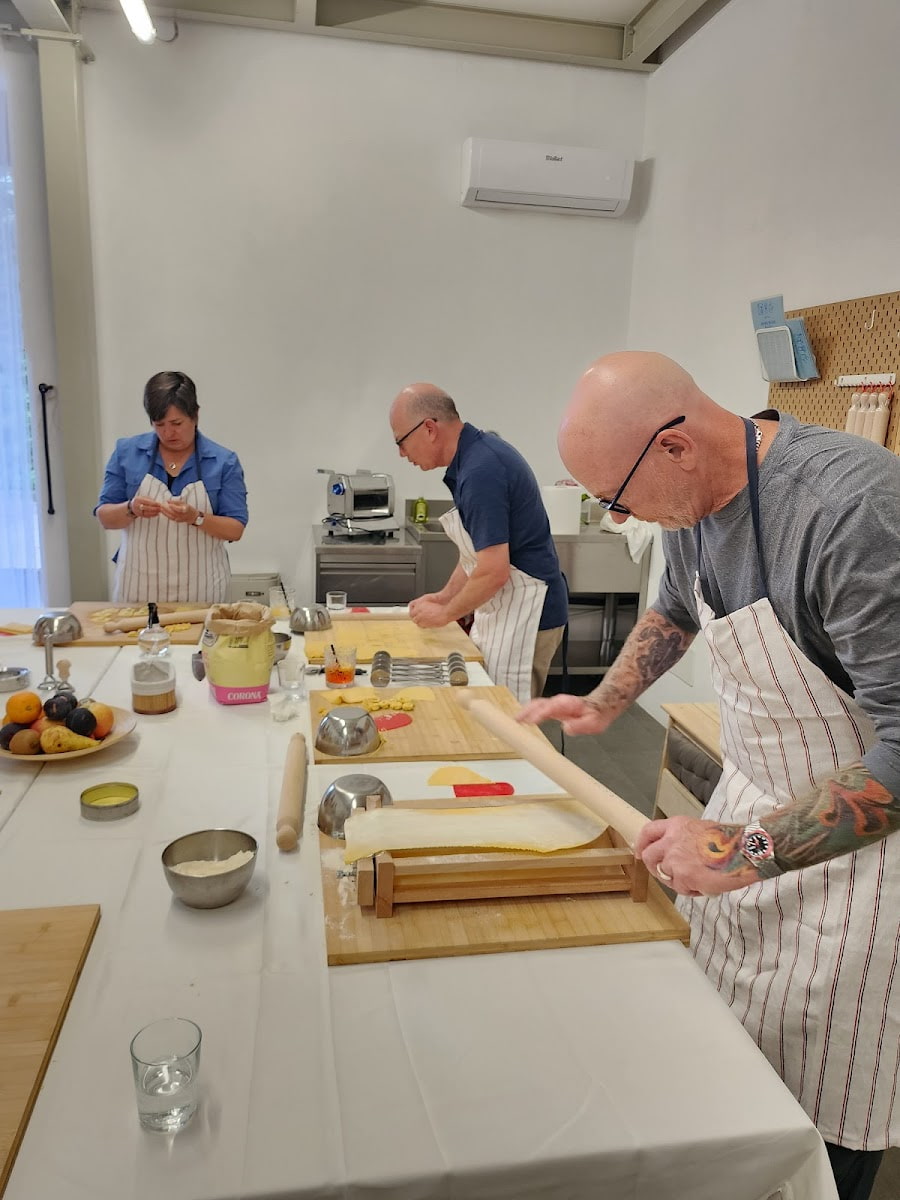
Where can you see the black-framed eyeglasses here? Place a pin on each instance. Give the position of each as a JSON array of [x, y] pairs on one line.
[[613, 505], [399, 441]]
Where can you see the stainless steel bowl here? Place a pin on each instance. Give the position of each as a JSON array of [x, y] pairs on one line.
[[13, 678], [347, 730], [343, 796], [307, 620], [282, 645], [209, 845], [62, 627]]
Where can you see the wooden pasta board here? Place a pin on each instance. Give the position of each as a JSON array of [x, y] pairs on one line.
[[440, 728], [442, 928], [401, 639], [42, 951], [93, 633]]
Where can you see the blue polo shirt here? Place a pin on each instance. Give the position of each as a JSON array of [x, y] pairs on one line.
[[499, 503], [220, 471]]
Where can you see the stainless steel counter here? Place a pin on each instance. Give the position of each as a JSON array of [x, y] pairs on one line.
[[371, 569]]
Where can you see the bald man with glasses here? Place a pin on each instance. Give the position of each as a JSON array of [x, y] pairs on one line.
[[782, 547], [508, 572]]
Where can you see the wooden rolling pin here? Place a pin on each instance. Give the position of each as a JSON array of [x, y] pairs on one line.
[[289, 821], [375, 614], [188, 616], [593, 795]]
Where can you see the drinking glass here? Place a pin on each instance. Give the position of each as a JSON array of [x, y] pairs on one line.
[[340, 666], [335, 601], [292, 675], [165, 1060]]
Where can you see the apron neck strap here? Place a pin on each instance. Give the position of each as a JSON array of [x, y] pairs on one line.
[[753, 489]]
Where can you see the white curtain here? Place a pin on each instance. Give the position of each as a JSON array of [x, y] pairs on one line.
[[20, 538]]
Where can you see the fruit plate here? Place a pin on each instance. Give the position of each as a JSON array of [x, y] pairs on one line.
[[124, 723]]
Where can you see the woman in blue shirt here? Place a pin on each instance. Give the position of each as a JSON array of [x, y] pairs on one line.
[[177, 497]]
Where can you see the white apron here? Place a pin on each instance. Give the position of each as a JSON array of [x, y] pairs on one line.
[[506, 626], [170, 561], [807, 961]]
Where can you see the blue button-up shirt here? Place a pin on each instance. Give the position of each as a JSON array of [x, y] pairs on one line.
[[219, 470]]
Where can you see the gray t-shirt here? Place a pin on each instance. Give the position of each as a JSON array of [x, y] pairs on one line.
[[830, 530]]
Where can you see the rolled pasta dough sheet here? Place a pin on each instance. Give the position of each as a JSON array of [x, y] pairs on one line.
[[542, 825]]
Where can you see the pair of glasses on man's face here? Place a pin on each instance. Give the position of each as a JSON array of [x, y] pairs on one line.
[[614, 505], [398, 442]]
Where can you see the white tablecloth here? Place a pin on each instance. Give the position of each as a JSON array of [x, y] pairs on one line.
[[599, 1073]]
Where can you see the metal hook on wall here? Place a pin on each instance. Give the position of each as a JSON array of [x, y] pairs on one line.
[[871, 324]]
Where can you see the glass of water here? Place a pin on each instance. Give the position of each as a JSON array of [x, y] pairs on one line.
[[165, 1059], [292, 674], [335, 601]]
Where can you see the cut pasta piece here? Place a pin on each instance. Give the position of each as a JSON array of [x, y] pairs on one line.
[[447, 776]]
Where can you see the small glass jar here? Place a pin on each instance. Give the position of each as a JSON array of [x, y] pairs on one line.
[[153, 675]]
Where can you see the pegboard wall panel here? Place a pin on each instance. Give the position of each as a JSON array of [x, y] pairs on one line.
[[846, 341]]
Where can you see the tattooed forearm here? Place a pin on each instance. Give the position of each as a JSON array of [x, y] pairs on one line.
[[848, 811], [652, 647]]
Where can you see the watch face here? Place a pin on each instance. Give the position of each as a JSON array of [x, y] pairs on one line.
[[757, 844]]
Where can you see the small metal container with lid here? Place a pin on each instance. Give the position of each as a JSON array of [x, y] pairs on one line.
[[109, 801]]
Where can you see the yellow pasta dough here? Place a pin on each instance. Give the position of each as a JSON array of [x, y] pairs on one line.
[[447, 776], [542, 825]]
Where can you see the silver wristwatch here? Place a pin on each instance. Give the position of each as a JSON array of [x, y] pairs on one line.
[[758, 846], [200, 518]]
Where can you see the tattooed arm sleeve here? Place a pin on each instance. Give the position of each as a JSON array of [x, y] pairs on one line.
[[653, 646]]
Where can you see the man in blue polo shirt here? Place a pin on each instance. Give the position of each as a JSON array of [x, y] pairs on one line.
[[508, 573]]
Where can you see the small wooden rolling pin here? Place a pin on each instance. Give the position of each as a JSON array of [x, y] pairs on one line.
[[289, 821], [374, 614], [593, 795], [188, 616]]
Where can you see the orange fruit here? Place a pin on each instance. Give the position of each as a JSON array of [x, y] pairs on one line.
[[24, 707]]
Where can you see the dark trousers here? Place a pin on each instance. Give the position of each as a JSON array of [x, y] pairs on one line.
[[854, 1171]]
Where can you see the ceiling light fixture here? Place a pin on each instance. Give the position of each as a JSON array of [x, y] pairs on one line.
[[139, 19]]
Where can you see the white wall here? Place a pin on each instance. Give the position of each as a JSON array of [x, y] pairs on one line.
[[279, 217], [775, 168]]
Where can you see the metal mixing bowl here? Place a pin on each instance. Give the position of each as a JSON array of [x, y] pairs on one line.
[[307, 620], [282, 645], [13, 678], [343, 796], [62, 627], [209, 891], [347, 730]]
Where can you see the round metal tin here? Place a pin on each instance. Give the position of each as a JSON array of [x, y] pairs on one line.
[[109, 801]]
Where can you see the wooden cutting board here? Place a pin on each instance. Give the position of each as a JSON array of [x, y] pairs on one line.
[[42, 951], [401, 639], [443, 928], [440, 728], [93, 633]]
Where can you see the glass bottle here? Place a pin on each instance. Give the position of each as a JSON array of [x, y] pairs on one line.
[[153, 675]]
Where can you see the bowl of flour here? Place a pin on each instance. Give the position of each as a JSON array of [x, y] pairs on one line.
[[209, 868]]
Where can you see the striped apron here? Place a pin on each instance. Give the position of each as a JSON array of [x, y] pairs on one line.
[[807, 961], [170, 561], [506, 626]]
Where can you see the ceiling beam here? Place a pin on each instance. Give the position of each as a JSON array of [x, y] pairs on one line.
[[453, 28], [659, 20], [42, 14]]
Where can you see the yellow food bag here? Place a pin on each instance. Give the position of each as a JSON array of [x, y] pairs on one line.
[[238, 652]]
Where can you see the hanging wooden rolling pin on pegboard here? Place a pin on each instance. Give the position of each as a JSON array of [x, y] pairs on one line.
[[850, 337]]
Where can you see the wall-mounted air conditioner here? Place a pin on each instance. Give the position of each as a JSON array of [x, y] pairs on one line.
[[545, 178]]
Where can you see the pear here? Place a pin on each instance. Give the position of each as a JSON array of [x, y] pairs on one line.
[[61, 740]]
